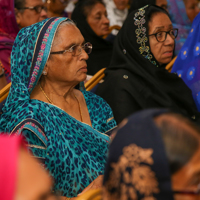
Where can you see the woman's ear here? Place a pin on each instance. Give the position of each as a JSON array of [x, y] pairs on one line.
[[18, 16]]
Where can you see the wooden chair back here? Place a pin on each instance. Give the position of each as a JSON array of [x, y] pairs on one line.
[[111, 28], [170, 65], [4, 92], [91, 195], [95, 79]]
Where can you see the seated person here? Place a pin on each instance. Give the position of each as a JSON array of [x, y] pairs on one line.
[[56, 8], [188, 60], [139, 4], [136, 78], [22, 13], [66, 128], [154, 155], [117, 12], [182, 14], [91, 18], [21, 176]]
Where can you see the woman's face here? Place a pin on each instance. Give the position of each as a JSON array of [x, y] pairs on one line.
[[121, 4], [98, 21], [66, 68], [192, 9], [188, 178], [162, 51]]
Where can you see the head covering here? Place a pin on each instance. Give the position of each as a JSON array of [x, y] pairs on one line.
[[139, 4], [188, 61], [8, 32], [9, 153], [137, 166], [179, 20], [29, 55], [101, 50], [134, 69]]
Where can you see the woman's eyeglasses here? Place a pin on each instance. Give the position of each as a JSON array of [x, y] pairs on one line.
[[38, 9], [76, 50], [162, 35]]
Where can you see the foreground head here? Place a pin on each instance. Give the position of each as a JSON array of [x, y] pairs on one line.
[[29, 12], [21, 176], [153, 155], [96, 15]]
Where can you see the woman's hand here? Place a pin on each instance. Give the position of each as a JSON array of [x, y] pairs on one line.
[[97, 183]]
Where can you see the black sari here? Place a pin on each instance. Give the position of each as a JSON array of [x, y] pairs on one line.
[[134, 80], [102, 49]]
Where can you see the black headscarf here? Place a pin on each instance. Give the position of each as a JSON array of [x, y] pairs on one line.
[[137, 166], [102, 49], [134, 80], [136, 4]]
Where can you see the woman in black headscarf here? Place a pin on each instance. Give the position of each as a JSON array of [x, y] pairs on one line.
[[91, 18], [141, 3], [136, 78]]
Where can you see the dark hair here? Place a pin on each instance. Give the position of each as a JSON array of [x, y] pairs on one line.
[[153, 10], [19, 4], [87, 5], [179, 139]]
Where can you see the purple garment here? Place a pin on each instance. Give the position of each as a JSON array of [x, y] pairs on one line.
[[179, 20], [8, 32]]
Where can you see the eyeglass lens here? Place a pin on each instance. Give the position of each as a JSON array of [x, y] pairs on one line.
[[78, 49], [161, 36]]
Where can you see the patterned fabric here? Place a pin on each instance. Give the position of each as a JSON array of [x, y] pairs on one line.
[[138, 167], [179, 20], [72, 151], [188, 60], [141, 35]]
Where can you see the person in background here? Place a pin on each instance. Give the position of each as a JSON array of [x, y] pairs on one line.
[[56, 8], [21, 175], [70, 7], [137, 79], [66, 128], [91, 19], [117, 12], [136, 4], [188, 61], [15, 15], [154, 155], [28, 12], [8, 32], [182, 14]]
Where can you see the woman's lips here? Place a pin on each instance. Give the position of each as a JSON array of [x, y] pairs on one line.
[[83, 69], [168, 53]]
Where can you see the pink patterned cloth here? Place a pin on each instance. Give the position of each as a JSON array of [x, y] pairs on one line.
[[8, 32], [9, 152]]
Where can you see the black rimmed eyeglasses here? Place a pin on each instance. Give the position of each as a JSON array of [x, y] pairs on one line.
[[38, 9], [76, 50], [162, 35]]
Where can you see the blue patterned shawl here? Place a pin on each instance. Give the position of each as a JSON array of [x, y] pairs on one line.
[[179, 20], [72, 151], [188, 61]]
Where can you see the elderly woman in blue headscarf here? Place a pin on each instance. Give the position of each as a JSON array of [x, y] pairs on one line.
[[66, 128]]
